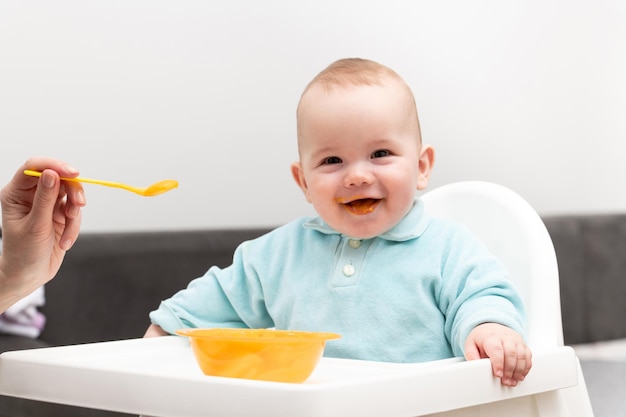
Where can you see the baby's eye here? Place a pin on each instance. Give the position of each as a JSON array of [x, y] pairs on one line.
[[331, 160], [381, 153]]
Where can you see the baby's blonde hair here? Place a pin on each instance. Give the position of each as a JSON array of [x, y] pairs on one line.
[[356, 72]]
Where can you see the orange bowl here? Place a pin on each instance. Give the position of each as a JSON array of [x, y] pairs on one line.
[[264, 354]]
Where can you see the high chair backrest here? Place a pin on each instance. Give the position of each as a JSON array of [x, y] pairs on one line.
[[513, 231]]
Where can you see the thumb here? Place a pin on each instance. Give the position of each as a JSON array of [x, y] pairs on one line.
[[46, 196]]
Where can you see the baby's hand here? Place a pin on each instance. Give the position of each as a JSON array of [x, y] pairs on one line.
[[510, 357]]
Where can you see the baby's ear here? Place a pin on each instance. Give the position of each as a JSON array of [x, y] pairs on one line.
[[298, 175], [426, 161]]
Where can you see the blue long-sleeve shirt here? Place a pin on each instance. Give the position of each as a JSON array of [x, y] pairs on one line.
[[412, 294]]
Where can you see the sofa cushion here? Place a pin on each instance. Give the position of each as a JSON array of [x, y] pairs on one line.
[[591, 254], [566, 234]]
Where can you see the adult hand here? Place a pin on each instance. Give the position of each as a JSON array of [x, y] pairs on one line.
[[40, 221]]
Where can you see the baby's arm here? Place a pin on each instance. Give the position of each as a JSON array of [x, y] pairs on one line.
[[511, 358]]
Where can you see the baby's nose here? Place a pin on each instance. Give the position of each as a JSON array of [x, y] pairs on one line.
[[358, 175]]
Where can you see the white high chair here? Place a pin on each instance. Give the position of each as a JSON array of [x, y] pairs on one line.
[[159, 377], [514, 232]]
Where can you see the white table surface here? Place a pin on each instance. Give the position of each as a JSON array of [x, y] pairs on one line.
[[160, 377]]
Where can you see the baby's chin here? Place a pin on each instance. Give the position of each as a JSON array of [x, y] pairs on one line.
[[368, 226]]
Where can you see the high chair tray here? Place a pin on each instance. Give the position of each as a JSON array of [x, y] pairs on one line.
[[160, 377]]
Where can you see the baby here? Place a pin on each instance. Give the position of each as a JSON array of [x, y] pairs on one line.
[[372, 266]]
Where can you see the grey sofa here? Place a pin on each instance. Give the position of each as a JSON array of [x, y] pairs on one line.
[[110, 281], [591, 253]]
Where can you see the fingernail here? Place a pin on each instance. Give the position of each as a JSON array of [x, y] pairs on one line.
[[80, 197], [66, 244], [48, 180], [70, 169]]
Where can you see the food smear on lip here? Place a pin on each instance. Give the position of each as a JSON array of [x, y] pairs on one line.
[[359, 206]]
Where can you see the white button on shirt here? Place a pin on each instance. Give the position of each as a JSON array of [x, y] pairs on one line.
[[354, 244], [348, 270], [349, 258]]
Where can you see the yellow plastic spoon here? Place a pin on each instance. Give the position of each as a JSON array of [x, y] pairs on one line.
[[150, 191]]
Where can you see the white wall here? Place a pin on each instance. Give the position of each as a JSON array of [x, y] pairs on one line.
[[530, 94]]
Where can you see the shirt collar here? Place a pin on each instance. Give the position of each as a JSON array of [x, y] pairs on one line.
[[410, 227]]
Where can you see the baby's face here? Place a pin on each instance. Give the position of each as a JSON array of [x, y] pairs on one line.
[[359, 157]]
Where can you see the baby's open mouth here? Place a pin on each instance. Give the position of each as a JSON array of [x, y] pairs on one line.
[[362, 205]]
